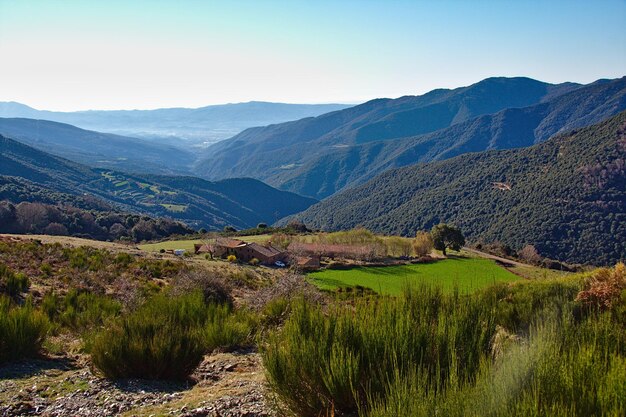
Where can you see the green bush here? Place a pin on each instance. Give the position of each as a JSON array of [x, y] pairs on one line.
[[227, 329], [80, 311], [11, 283], [22, 330], [163, 339]]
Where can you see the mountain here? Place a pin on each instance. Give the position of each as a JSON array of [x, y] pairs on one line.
[[98, 149], [506, 129], [280, 153], [565, 196], [240, 202], [177, 126]]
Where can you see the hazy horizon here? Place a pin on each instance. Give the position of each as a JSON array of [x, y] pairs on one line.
[[84, 55]]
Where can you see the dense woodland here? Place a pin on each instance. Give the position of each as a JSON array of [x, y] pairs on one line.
[[567, 197], [65, 220]]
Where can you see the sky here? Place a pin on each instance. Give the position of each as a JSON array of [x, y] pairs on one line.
[[78, 55]]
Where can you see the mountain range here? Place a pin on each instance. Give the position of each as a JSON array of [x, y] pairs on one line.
[[181, 127], [566, 196], [320, 156], [98, 149], [238, 202]]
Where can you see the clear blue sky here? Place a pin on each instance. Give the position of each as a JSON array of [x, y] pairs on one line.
[[69, 55]]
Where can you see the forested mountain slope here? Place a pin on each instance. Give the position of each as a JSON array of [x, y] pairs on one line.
[[237, 202], [566, 196], [264, 151], [304, 157]]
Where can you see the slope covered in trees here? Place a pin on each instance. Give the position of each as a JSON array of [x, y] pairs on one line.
[[321, 156], [241, 203], [566, 196], [279, 150]]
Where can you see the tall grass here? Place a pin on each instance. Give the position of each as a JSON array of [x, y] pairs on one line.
[[522, 350], [80, 311], [338, 361], [563, 369], [22, 330]]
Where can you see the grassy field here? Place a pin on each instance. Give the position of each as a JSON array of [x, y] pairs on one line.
[[188, 244], [469, 274]]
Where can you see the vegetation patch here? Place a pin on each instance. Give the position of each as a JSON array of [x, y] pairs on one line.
[[468, 274], [175, 208], [22, 330]]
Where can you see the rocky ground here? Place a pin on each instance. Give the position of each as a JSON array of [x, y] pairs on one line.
[[225, 385]]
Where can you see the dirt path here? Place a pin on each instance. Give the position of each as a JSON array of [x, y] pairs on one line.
[[500, 259]]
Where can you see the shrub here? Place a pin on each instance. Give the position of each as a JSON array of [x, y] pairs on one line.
[[231, 258], [22, 330], [333, 363], [11, 283], [214, 288], [254, 262], [227, 329], [80, 311], [422, 244], [46, 269], [163, 339], [604, 287], [530, 255]]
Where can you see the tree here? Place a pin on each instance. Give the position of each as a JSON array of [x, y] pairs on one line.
[[447, 236], [261, 226]]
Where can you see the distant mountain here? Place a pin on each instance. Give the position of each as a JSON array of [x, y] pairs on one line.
[[177, 126], [281, 153], [240, 203], [566, 196], [98, 149]]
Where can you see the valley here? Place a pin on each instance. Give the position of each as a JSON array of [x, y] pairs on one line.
[[313, 209]]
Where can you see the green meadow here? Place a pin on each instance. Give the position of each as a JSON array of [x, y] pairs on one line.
[[468, 274]]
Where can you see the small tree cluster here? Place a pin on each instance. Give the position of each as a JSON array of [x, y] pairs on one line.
[[447, 236]]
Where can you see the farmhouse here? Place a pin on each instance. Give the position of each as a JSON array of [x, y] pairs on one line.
[[244, 251], [307, 263]]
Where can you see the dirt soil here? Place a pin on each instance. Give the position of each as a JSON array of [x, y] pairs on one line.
[[225, 384]]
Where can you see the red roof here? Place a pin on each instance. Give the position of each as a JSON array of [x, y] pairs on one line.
[[229, 243]]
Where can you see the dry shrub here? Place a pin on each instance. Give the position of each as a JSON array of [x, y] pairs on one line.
[[214, 287], [287, 287], [604, 287], [422, 244], [529, 254]]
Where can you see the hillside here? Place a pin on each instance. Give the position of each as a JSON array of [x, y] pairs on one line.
[[98, 149], [271, 151], [240, 203], [330, 162], [566, 196], [177, 126]]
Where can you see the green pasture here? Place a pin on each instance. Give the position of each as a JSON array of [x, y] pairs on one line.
[[468, 273]]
